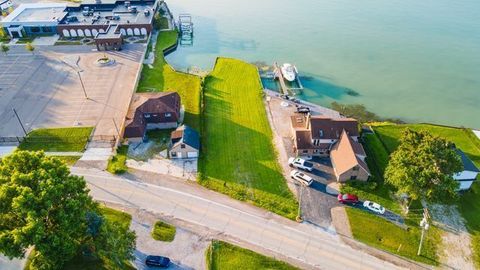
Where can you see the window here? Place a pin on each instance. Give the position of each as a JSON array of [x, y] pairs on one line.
[[353, 177], [355, 168], [320, 132], [305, 151], [147, 115], [35, 29], [168, 114], [182, 146], [174, 154], [46, 29]]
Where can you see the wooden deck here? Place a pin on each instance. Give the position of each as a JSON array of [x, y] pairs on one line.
[[283, 86]]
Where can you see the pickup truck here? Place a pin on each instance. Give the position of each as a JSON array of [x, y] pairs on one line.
[[300, 164]]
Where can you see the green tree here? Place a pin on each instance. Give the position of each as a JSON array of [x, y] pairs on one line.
[[41, 205], [4, 48], [423, 166], [44, 206], [29, 47]]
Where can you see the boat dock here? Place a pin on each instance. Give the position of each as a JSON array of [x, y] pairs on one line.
[[283, 86], [185, 27]]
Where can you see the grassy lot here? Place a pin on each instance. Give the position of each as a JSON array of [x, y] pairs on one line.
[[225, 256], [117, 164], [238, 157], [469, 204], [382, 234], [57, 139], [79, 262], [163, 232], [162, 77], [69, 160]]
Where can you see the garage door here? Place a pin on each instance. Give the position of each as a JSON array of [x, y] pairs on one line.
[[192, 154]]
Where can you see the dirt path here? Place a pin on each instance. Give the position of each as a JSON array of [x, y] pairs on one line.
[[457, 248]]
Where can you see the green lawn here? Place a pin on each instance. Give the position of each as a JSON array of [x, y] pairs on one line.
[[69, 160], [79, 262], [117, 164], [162, 77], [382, 234], [238, 157], [225, 256], [57, 139], [469, 204], [163, 232]]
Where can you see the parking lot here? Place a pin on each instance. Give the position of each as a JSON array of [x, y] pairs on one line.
[[46, 90]]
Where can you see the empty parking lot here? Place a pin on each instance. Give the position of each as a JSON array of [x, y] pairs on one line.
[[46, 88]]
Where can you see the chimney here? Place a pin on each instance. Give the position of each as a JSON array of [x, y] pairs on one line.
[[307, 121]]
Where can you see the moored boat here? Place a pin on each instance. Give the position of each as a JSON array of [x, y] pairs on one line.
[[289, 72]]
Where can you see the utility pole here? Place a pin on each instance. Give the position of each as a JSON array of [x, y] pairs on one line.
[[19, 121], [83, 86], [424, 225]]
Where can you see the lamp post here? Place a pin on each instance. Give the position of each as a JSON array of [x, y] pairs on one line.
[[81, 82], [19, 121], [424, 225]]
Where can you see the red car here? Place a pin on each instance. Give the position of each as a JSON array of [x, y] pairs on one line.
[[347, 198]]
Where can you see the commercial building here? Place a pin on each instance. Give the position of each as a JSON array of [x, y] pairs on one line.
[[105, 21]]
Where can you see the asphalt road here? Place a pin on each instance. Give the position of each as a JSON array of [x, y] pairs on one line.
[[299, 242]]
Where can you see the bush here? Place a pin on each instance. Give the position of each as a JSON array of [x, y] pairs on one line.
[[163, 232]]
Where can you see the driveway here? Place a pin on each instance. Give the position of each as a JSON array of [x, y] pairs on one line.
[[187, 250], [298, 243]]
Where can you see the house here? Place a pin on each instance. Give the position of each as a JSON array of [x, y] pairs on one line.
[[348, 159], [184, 143], [316, 135], [152, 111], [469, 173], [5, 4]]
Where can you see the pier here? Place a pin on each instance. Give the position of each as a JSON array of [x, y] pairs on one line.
[[283, 86], [185, 28]]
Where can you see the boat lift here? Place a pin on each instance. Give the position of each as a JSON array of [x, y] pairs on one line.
[[277, 74], [185, 28]]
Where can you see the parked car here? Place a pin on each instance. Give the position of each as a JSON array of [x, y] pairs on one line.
[[306, 157], [375, 207], [347, 198], [301, 178], [303, 109], [158, 261], [300, 163]]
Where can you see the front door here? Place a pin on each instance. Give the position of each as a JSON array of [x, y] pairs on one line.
[[15, 34]]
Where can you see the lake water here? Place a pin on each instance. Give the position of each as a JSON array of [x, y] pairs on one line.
[[417, 60]]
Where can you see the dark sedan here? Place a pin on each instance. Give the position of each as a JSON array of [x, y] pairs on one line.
[[157, 261]]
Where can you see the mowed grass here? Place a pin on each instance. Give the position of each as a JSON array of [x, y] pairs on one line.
[[469, 203], [163, 231], [117, 163], [162, 77], [238, 157], [382, 234], [225, 256], [57, 139]]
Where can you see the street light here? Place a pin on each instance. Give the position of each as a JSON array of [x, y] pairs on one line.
[[81, 82], [424, 225]]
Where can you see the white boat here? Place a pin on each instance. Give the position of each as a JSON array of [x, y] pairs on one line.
[[289, 72]]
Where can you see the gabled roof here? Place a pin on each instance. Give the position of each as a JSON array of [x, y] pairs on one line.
[[332, 128], [345, 154], [186, 135], [468, 164]]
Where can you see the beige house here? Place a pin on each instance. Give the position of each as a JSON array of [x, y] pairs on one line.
[[184, 143], [348, 160]]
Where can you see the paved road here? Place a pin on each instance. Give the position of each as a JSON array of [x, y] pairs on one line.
[[301, 242]]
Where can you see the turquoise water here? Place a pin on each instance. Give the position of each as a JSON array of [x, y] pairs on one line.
[[418, 60]]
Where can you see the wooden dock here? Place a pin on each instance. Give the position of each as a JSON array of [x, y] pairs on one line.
[[283, 86]]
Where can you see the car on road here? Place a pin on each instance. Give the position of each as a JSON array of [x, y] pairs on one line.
[[347, 198], [375, 207], [300, 163], [301, 178], [157, 261]]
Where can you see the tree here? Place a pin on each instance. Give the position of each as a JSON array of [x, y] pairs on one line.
[[4, 48], [43, 206], [423, 166], [29, 47]]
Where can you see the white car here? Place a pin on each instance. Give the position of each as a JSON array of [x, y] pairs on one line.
[[375, 207], [300, 164], [301, 178]]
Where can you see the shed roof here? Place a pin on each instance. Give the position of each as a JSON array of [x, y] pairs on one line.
[[467, 162], [187, 135]]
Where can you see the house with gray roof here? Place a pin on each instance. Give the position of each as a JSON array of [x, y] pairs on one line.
[[184, 143], [469, 173]]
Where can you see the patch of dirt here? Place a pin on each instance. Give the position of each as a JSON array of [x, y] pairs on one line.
[[457, 248], [340, 221]]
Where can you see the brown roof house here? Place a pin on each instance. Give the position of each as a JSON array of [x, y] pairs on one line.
[[348, 159], [338, 138], [184, 143], [152, 111]]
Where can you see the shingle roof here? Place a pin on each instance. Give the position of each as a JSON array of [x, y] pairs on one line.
[[345, 156], [467, 162], [187, 135], [332, 128]]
